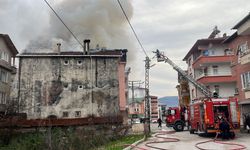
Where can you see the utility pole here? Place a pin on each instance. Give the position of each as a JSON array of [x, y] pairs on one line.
[[147, 99], [132, 85]]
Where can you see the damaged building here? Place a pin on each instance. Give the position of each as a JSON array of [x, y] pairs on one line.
[[72, 84]]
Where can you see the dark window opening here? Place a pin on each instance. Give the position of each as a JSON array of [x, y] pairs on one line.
[[65, 114], [77, 113], [66, 62]]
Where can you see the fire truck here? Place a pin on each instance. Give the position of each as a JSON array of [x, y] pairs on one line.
[[177, 118], [209, 114]]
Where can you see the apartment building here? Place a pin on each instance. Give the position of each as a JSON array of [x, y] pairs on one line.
[[239, 44], [183, 91], [137, 104], [209, 62], [72, 84], [8, 53]]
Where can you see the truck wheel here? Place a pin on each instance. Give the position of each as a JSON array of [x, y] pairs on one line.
[[178, 126]]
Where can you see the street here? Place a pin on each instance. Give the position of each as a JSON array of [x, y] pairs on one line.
[[188, 141]]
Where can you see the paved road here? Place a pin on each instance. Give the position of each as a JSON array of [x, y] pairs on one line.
[[188, 141]]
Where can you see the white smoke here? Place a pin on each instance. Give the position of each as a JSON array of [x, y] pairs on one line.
[[101, 21]]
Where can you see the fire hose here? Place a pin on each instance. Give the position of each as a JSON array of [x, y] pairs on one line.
[[165, 140], [240, 147], [159, 136]]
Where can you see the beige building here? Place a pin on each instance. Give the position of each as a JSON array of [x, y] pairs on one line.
[[8, 53], [72, 84]]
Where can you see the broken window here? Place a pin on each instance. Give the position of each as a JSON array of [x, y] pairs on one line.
[[66, 62], [77, 113], [65, 114], [65, 86], [79, 62], [80, 87]]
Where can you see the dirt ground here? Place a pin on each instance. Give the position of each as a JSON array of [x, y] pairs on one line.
[[188, 141]]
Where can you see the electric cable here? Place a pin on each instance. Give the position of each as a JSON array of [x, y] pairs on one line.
[[63, 23], [132, 27]]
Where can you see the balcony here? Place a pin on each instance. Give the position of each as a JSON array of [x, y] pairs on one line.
[[200, 61], [218, 78]]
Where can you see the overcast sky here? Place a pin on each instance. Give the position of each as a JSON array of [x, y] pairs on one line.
[[172, 26]]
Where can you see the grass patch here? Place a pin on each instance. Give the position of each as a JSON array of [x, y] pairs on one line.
[[121, 143]]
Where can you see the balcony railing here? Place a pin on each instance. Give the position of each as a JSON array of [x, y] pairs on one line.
[[220, 73], [211, 59]]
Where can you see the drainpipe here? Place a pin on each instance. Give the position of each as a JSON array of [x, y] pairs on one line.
[[19, 84]]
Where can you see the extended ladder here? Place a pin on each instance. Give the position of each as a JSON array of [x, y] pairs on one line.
[[161, 57]]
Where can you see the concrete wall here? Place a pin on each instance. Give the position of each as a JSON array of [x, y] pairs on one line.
[[50, 86]]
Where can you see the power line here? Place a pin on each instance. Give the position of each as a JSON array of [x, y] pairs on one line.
[[132, 28], [63, 22]]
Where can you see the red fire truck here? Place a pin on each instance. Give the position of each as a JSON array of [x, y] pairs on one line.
[[177, 118], [207, 115]]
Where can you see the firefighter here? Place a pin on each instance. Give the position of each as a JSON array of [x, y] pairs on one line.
[[225, 129], [159, 122]]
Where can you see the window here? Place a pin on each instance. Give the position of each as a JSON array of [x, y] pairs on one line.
[[65, 86], [236, 91], [212, 52], [4, 56], [77, 113], [79, 62], [215, 70], [3, 76], [2, 98], [66, 62], [80, 87], [65, 114], [245, 80]]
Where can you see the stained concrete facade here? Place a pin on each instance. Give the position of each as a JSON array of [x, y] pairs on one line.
[[71, 85]]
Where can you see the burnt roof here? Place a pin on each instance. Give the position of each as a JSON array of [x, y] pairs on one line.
[[115, 53], [242, 21], [203, 42], [9, 43]]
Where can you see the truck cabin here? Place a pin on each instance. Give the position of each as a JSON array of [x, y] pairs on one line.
[[176, 112]]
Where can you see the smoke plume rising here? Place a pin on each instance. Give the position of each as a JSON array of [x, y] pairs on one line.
[[101, 21]]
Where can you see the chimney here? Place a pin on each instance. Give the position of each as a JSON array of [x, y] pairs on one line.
[[58, 48], [86, 46], [225, 35]]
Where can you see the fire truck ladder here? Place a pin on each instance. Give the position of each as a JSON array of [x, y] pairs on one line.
[[161, 57]]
